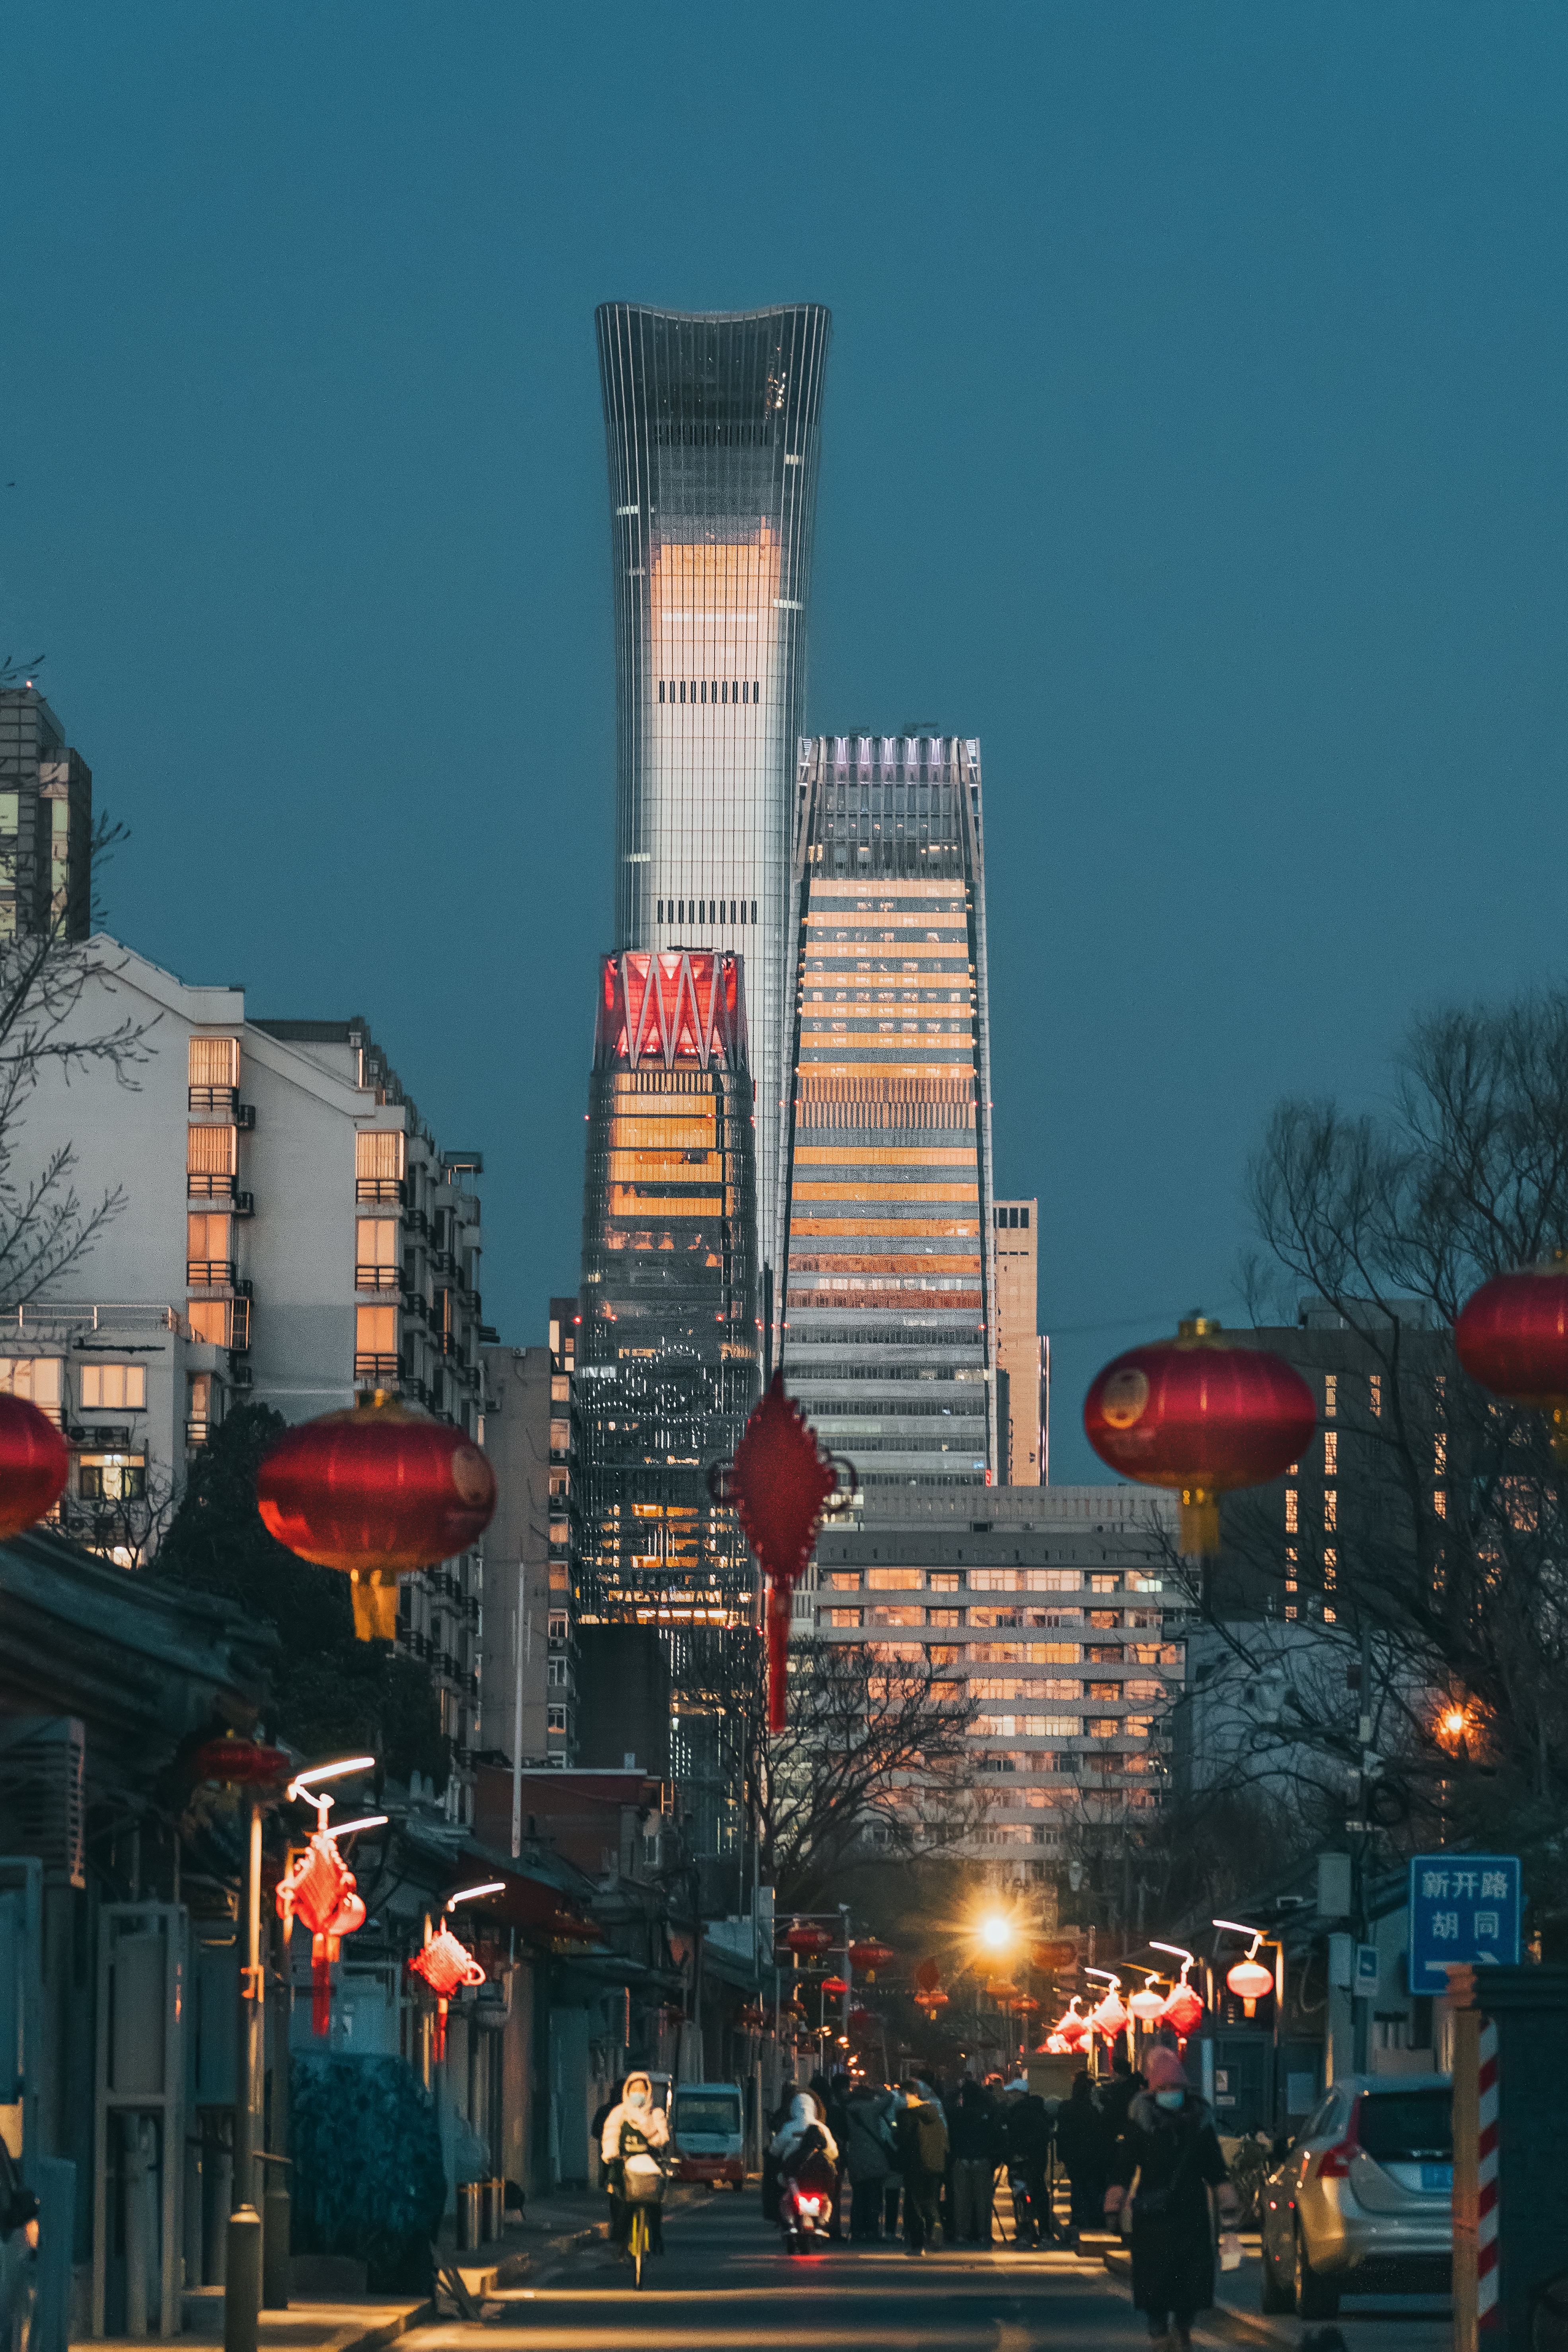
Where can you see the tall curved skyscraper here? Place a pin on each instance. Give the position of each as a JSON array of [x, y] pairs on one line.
[[710, 421]]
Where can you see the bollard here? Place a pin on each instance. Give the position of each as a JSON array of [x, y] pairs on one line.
[[242, 2288], [274, 2249], [1510, 2153]]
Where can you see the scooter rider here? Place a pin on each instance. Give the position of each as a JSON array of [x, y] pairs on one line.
[[799, 2143], [633, 2133]]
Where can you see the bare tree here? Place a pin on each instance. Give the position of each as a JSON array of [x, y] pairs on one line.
[[1452, 1556]]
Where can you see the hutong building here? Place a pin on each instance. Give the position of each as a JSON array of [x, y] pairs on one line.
[[711, 432], [889, 1322]]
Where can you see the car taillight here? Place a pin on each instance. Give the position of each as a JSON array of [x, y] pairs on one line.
[[1334, 2164]]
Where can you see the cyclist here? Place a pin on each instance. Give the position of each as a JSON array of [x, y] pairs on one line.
[[634, 2132]]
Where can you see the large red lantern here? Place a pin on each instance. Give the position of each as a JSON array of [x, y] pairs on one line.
[[1183, 2010], [35, 1463], [1202, 1416], [377, 1493], [1251, 1983], [1073, 2028], [320, 1890], [868, 1957], [446, 1966], [779, 1483], [806, 1941], [1511, 1337], [931, 1998]]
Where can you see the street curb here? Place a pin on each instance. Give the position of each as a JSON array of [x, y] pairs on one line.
[[418, 2315]]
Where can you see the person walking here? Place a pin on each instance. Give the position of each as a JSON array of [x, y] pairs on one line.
[[1026, 2152], [922, 2148], [1168, 2159], [776, 2122], [975, 2137], [865, 2151], [1085, 2149]]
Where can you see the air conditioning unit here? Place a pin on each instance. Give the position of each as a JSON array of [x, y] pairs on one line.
[[43, 1802]]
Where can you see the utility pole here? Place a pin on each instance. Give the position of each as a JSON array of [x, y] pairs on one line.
[[242, 2285]]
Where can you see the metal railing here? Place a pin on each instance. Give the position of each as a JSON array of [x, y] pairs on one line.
[[203, 1184], [209, 1273], [214, 1098], [382, 1191], [377, 1278], [383, 1368], [137, 1315]]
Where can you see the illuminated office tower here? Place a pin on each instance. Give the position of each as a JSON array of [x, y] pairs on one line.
[[1021, 1357], [710, 423], [888, 1323], [667, 1368]]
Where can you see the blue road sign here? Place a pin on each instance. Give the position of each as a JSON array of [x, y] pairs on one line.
[[1463, 1907]]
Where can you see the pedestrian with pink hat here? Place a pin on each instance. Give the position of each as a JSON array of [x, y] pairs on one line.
[[1168, 2161]]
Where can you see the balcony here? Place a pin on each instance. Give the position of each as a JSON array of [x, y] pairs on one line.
[[211, 1273], [377, 1278], [244, 1118], [244, 1204], [383, 1192], [196, 1430], [215, 1099], [203, 1185], [239, 1338], [386, 1371], [415, 1221]]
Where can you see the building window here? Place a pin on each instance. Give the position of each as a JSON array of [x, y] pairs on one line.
[[211, 1151], [214, 1072], [1331, 1452], [559, 1624], [378, 1163], [1291, 1525], [112, 1477], [555, 1719], [555, 1673], [212, 1320], [377, 1253], [209, 1249], [375, 1342], [1374, 1394], [35, 1378], [1331, 1394], [1331, 1508], [113, 1388], [893, 1580]]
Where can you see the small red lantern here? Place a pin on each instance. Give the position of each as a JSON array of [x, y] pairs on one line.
[[867, 1958], [1251, 1982], [446, 1966], [931, 1998], [1183, 2010], [863, 2021], [1511, 1337], [1026, 2005], [1146, 2004], [835, 1987], [779, 1484], [320, 1890], [35, 1463], [377, 1493], [1110, 2019], [241, 1764], [1073, 2028], [1202, 1416], [808, 1941]]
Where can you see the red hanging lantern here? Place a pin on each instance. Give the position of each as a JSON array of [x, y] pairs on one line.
[[241, 1764], [1202, 1416], [931, 1998], [377, 1493], [35, 1463], [446, 1966], [1110, 2019], [1251, 1982], [867, 1958], [863, 2021], [1183, 2010], [779, 1483], [928, 1973], [1073, 2028], [835, 1987], [806, 1941], [320, 1890], [1146, 2004], [1511, 1337]]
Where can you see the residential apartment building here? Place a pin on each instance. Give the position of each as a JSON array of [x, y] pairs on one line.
[[529, 1673], [889, 1319], [278, 1225], [1023, 1395], [1049, 1606], [711, 437], [668, 1359], [46, 822]]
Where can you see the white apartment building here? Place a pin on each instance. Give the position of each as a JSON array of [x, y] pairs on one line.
[[286, 1231], [1049, 1606]]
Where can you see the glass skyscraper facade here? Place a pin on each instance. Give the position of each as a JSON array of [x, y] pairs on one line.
[[668, 1364], [711, 432], [889, 1316]]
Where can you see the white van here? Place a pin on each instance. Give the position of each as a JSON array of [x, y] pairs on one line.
[[707, 2130]]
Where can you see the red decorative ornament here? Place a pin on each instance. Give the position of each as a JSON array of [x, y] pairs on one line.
[[446, 1966], [1251, 1983], [927, 1974], [241, 1763], [835, 1987], [779, 1483], [808, 1941], [931, 1998], [1026, 2005], [1110, 2019], [1147, 2004], [377, 1493], [867, 1958], [1511, 1337], [35, 1463], [1073, 2028], [320, 1890], [863, 2021], [1202, 1416], [1183, 2010]]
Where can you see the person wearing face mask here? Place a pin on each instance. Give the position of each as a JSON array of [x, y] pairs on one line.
[[1169, 2159], [633, 2133]]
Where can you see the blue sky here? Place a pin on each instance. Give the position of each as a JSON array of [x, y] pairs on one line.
[[1194, 434]]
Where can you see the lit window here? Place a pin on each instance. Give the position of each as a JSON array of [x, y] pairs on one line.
[[115, 1388], [375, 1338], [378, 1154], [1374, 1394], [377, 1253], [555, 1719], [1290, 1512], [211, 1150], [212, 1320], [1331, 1452], [213, 1061], [35, 1378], [1331, 1508], [1440, 1503], [1331, 1568], [208, 1249], [112, 1477], [893, 1580], [1331, 1394]]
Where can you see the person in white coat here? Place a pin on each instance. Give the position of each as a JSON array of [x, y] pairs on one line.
[[634, 2131], [806, 2118]]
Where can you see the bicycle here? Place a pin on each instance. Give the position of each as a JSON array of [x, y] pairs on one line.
[[638, 2237]]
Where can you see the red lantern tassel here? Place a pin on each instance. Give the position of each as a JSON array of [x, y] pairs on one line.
[[778, 1653], [440, 2030], [320, 1985]]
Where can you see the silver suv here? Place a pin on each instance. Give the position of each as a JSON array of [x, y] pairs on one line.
[[1362, 2201]]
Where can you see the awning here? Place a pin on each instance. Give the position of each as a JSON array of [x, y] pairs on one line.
[[537, 1909]]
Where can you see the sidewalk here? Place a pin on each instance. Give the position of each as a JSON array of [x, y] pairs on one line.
[[1371, 2323], [355, 2324], [553, 2227]]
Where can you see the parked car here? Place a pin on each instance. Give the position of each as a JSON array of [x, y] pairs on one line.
[[708, 2126], [1362, 2202]]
